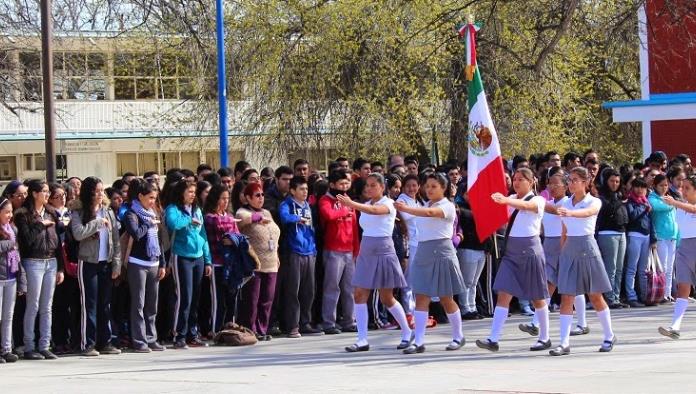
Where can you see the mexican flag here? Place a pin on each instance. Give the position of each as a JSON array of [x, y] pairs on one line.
[[485, 172]]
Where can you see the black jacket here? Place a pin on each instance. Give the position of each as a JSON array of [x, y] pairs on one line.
[[612, 216], [37, 241]]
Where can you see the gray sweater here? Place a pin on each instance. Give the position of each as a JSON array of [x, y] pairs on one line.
[[87, 234]]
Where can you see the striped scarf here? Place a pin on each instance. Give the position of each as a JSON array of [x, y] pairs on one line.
[[147, 216]]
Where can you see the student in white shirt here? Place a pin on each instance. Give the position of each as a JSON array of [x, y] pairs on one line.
[[409, 197], [557, 187], [522, 270], [581, 269], [685, 262], [377, 266], [435, 270]]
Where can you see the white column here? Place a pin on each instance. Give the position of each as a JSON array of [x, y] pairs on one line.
[[644, 77]]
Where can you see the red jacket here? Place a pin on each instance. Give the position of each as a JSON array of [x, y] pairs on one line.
[[340, 226]]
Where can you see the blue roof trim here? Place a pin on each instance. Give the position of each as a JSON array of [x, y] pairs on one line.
[[655, 99]]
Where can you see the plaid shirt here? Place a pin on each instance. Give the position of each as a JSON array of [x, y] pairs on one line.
[[216, 226]]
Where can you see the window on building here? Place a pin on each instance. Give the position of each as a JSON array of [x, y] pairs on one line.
[[30, 70], [8, 168], [126, 162], [148, 161], [147, 76], [79, 76], [34, 162], [212, 158]]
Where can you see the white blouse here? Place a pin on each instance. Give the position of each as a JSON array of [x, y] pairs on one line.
[[553, 226], [379, 225], [686, 223], [432, 228], [528, 223], [409, 219], [576, 227]]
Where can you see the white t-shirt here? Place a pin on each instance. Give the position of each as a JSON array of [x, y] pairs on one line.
[[409, 219], [528, 223], [103, 239], [437, 228], [553, 227], [686, 223], [576, 227], [379, 225]]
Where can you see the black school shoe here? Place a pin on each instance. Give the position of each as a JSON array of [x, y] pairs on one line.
[[48, 355], [332, 331], [529, 329], [540, 345], [560, 351], [579, 330], [669, 332], [455, 344], [354, 348], [413, 349], [308, 330], [608, 346], [488, 345]]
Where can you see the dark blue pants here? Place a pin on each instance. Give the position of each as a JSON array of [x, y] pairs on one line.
[[95, 288], [188, 274]]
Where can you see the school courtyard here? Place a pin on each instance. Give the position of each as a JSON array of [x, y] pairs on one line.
[[642, 362]]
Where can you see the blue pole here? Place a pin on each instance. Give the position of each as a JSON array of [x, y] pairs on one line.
[[222, 83]]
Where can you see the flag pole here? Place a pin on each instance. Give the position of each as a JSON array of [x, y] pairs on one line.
[[222, 83]]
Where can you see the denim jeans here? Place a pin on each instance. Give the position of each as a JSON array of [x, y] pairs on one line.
[[471, 263], [41, 283], [8, 293], [613, 250], [666, 250], [636, 263]]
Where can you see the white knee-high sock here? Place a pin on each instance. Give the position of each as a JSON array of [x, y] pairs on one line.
[[566, 322], [421, 319], [361, 322], [397, 311], [580, 306], [542, 316], [605, 320], [455, 320], [499, 316], [535, 318], [679, 311]]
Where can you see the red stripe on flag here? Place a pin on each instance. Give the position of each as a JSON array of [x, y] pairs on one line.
[[472, 35], [488, 215]]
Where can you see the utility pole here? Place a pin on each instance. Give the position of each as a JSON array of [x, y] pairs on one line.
[[47, 69]]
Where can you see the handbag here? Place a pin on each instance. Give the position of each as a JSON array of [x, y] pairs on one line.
[[70, 266], [232, 334], [655, 291]]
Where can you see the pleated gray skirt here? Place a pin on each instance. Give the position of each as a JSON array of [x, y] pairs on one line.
[[435, 270], [581, 269], [377, 266], [552, 254], [522, 271], [685, 262]]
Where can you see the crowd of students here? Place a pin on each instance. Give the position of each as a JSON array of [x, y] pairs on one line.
[[145, 261]]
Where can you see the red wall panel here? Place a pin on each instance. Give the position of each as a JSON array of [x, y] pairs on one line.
[[674, 137], [672, 45]]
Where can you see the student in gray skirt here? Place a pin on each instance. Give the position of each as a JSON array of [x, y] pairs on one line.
[[581, 269], [377, 266], [435, 269], [522, 271], [685, 263], [557, 185]]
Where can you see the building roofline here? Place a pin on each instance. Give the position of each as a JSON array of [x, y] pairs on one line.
[[655, 99]]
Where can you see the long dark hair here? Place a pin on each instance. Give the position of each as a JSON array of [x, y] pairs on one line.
[[178, 194], [200, 188], [166, 196], [604, 189], [89, 185], [214, 196], [33, 186], [3, 203]]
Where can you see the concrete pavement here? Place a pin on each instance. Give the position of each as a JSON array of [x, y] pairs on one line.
[[642, 362]]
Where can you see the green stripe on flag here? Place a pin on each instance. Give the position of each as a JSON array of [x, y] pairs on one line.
[[475, 88]]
